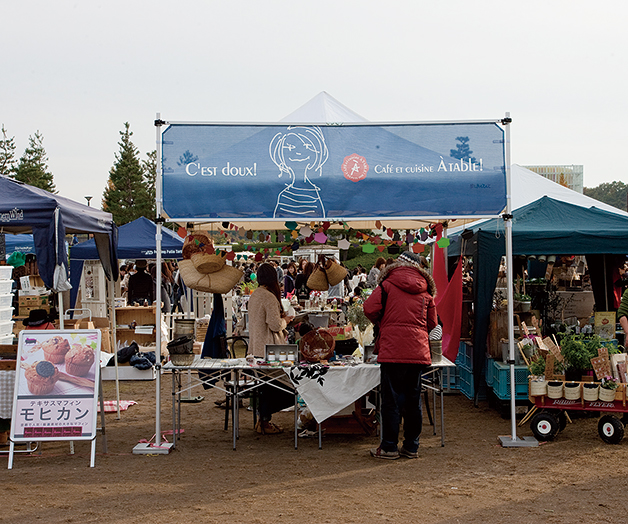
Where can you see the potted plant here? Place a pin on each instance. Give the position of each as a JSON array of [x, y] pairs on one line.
[[524, 301], [578, 350], [607, 388]]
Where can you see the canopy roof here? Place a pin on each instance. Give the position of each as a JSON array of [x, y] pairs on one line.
[[26, 209], [549, 226], [135, 240]]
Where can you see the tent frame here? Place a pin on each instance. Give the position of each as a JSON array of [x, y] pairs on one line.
[[164, 448]]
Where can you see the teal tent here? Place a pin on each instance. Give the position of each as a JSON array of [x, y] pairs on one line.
[[543, 227]]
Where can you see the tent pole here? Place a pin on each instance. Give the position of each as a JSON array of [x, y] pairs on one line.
[[112, 338], [513, 440], [158, 447]]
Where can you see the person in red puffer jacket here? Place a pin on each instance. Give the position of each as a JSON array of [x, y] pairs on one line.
[[402, 305]]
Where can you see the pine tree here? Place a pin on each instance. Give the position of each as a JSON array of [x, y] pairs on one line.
[[8, 164], [127, 195], [149, 169], [33, 166], [462, 150]]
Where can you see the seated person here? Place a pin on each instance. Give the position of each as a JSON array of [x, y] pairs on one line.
[[38, 319]]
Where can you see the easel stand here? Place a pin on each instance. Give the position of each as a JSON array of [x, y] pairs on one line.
[[101, 429]]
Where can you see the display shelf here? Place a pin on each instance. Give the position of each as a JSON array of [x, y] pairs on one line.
[[142, 316]]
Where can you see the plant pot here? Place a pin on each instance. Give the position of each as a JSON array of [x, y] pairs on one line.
[[572, 391], [555, 389], [525, 306], [607, 395], [538, 388], [590, 392]]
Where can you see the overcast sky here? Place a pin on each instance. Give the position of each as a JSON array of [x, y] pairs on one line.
[[76, 71]]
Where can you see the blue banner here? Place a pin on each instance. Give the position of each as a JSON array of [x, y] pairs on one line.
[[262, 172]]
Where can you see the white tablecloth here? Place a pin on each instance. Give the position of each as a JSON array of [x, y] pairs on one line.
[[328, 390], [7, 384]]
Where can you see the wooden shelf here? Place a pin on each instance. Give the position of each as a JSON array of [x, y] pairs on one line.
[[143, 316]]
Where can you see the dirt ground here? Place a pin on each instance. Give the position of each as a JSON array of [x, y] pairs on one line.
[[472, 479]]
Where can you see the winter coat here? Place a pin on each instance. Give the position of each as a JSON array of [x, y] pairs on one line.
[[288, 284], [266, 326], [409, 314]]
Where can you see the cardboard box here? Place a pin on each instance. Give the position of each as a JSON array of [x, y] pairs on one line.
[[33, 300], [23, 311]]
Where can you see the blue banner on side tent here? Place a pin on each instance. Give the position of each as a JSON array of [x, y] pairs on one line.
[[261, 172]]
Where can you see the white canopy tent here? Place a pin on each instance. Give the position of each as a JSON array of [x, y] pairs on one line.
[[326, 110]]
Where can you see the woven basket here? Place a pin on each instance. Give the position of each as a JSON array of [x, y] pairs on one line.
[[572, 392], [538, 388], [317, 281], [590, 394], [221, 282], [436, 349], [205, 263], [335, 272], [317, 345], [607, 395], [555, 389]]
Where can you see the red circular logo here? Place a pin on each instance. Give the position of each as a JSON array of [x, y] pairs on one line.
[[355, 167]]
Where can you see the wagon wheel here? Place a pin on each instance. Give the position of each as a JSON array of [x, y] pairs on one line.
[[611, 429], [545, 426], [562, 420]]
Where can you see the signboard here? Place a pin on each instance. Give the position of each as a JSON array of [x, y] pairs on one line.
[[56, 385], [334, 172]]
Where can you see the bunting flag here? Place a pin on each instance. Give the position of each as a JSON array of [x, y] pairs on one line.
[[449, 304]]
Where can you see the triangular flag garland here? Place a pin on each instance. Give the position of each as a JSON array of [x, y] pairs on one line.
[[299, 234]]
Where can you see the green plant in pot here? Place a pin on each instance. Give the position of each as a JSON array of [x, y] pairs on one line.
[[578, 350], [537, 366]]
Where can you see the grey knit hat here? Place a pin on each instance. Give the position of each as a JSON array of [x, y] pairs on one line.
[[411, 258]]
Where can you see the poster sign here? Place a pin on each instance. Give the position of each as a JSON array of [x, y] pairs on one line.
[[56, 385], [333, 172]]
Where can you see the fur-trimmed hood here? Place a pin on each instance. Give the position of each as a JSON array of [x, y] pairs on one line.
[[431, 285]]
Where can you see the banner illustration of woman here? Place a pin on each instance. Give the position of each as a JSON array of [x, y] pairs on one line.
[[300, 152]]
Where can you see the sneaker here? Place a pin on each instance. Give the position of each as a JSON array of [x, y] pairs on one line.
[[381, 454], [403, 452]]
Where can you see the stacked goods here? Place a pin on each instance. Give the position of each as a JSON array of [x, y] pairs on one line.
[[6, 301]]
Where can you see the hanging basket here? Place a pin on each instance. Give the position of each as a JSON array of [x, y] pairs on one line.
[[205, 263]]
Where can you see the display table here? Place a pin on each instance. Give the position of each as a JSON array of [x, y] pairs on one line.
[[325, 389], [433, 381], [237, 373], [329, 389]]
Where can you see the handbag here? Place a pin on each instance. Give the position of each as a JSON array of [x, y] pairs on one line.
[[327, 273]]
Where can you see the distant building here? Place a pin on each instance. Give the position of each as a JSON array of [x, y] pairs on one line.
[[570, 176]]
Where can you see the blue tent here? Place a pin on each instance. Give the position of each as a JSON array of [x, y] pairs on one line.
[[135, 240], [23, 243], [49, 217]]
